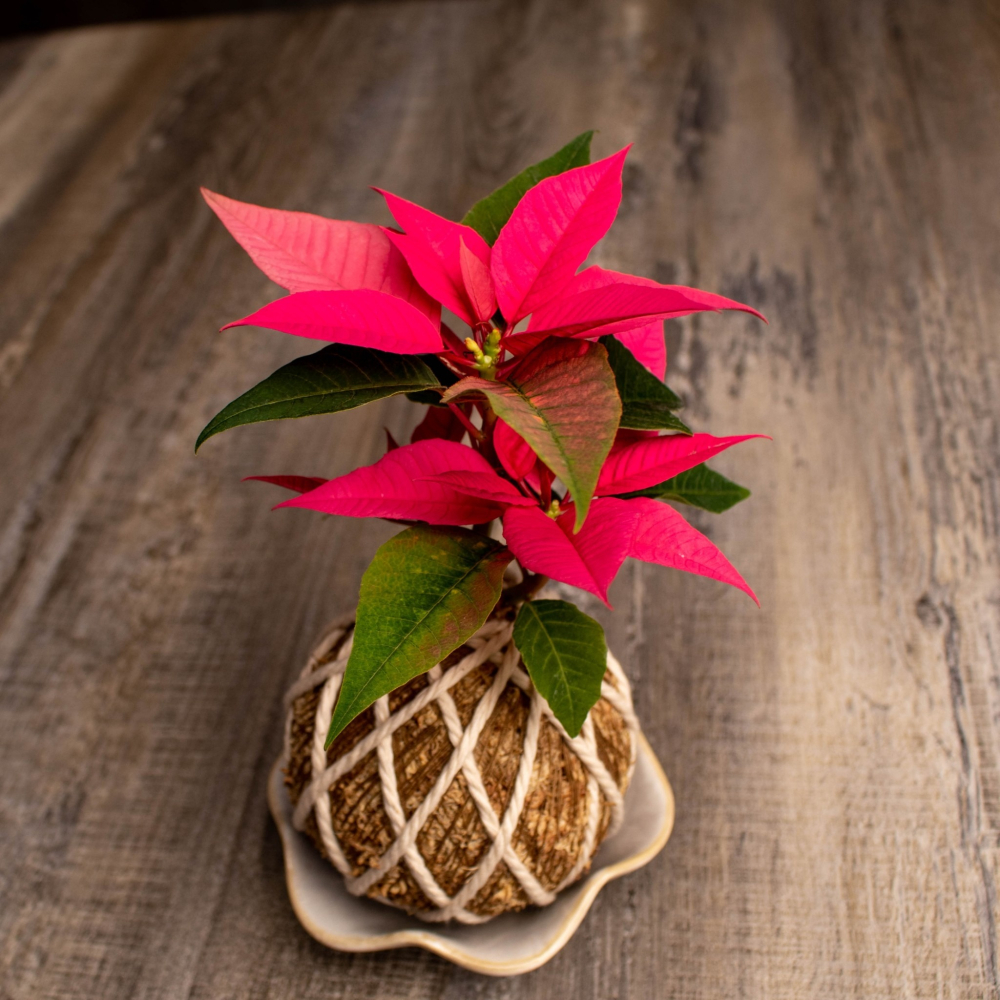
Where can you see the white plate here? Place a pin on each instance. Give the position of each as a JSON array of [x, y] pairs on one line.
[[509, 944]]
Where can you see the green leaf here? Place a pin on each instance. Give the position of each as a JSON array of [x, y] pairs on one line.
[[429, 397], [445, 377], [643, 420], [646, 401], [566, 656], [426, 591], [700, 487], [490, 215], [338, 377], [562, 400]]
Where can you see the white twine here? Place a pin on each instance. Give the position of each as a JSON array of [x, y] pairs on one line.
[[487, 644]]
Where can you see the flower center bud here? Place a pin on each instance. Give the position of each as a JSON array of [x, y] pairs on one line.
[[485, 358]]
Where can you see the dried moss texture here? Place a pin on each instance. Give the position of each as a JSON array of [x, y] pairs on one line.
[[549, 835]]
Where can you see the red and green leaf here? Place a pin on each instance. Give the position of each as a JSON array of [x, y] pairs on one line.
[[426, 591], [562, 400]]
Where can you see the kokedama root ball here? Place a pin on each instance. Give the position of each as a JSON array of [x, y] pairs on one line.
[[458, 796]]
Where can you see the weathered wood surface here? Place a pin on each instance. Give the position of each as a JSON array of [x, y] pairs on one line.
[[834, 755]]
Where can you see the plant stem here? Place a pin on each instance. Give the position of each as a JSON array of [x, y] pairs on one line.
[[474, 432], [526, 589]]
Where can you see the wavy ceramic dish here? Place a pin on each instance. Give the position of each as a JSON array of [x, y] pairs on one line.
[[508, 945]]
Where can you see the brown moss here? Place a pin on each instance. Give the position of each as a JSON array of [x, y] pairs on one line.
[[549, 836]]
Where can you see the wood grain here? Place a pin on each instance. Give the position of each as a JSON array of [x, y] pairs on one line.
[[836, 756]]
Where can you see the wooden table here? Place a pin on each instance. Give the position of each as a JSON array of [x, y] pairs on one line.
[[835, 756]]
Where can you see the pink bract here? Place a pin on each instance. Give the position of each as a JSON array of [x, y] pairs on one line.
[[397, 487], [297, 484], [550, 233], [432, 246], [653, 460], [513, 451], [486, 487], [599, 302], [363, 318], [648, 347], [439, 422], [307, 253], [662, 536], [478, 284], [588, 559]]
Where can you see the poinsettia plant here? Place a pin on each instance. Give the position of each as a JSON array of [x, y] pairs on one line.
[[550, 417]]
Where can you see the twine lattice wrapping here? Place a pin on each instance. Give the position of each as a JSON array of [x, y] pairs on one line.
[[490, 645]]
